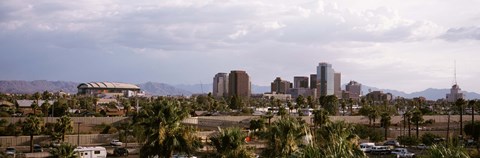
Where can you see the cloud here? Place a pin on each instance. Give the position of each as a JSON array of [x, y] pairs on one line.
[[462, 33]]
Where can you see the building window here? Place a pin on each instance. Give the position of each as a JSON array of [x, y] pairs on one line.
[[97, 152]]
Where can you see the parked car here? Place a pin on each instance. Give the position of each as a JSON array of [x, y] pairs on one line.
[[380, 150], [392, 143], [182, 156], [120, 152], [37, 148], [403, 153], [422, 146], [10, 151], [366, 147], [116, 142]]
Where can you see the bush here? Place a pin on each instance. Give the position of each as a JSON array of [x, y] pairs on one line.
[[408, 141], [429, 138], [373, 134]]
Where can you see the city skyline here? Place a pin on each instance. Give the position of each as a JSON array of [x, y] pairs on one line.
[[402, 45]]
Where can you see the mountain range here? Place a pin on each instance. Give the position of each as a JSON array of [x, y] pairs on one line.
[[154, 88]]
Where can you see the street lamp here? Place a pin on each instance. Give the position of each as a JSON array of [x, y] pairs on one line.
[[78, 133]]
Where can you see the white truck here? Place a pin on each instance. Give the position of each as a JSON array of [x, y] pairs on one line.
[[402, 153], [91, 152], [366, 147]]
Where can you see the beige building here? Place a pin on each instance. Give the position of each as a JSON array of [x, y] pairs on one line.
[[354, 90], [220, 85], [337, 85], [455, 94]]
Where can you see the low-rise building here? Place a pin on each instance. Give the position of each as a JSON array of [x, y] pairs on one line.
[[100, 89]]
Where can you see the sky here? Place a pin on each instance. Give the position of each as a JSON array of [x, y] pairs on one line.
[[406, 45]]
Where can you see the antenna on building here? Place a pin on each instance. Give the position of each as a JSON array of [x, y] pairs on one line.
[[454, 72]]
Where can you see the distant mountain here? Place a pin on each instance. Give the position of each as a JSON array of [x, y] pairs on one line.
[[207, 88], [196, 88], [162, 89], [430, 93], [29, 87]]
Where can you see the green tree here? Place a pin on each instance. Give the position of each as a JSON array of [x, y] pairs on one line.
[[230, 143], [32, 126], [429, 138], [63, 126], [417, 118], [385, 121], [163, 132], [257, 125], [45, 106], [284, 137], [329, 103], [300, 101], [34, 107], [320, 117], [472, 130], [472, 104], [65, 150]]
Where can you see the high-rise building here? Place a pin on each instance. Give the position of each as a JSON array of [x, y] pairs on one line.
[[313, 81], [455, 94], [280, 86], [338, 85], [300, 82], [220, 85], [239, 84], [354, 90], [325, 79]]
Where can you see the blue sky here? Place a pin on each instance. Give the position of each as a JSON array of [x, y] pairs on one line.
[[407, 45]]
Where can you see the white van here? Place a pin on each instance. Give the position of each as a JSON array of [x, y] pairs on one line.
[[365, 147], [91, 152]]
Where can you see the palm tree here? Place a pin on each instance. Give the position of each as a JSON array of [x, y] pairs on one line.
[[459, 104], [350, 105], [344, 106], [164, 134], [472, 104], [408, 117], [284, 137], [32, 126], [256, 125], [126, 106], [63, 126], [417, 117], [300, 101], [320, 117], [385, 120], [65, 150], [125, 130], [34, 107], [230, 143], [45, 106]]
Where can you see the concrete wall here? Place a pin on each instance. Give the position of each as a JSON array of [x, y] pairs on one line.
[[85, 139], [83, 120]]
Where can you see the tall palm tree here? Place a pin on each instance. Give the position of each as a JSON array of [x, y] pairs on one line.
[[230, 143], [284, 137], [385, 120], [63, 126], [460, 106], [344, 106], [164, 134], [32, 126], [45, 106], [417, 118], [408, 117], [65, 150], [350, 105]]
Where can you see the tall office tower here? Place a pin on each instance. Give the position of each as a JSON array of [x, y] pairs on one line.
[[280, 86], [220, 85], [354, 90], [338, 85], [300, 82], [325, 79], [313, 81], [239, 84]]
